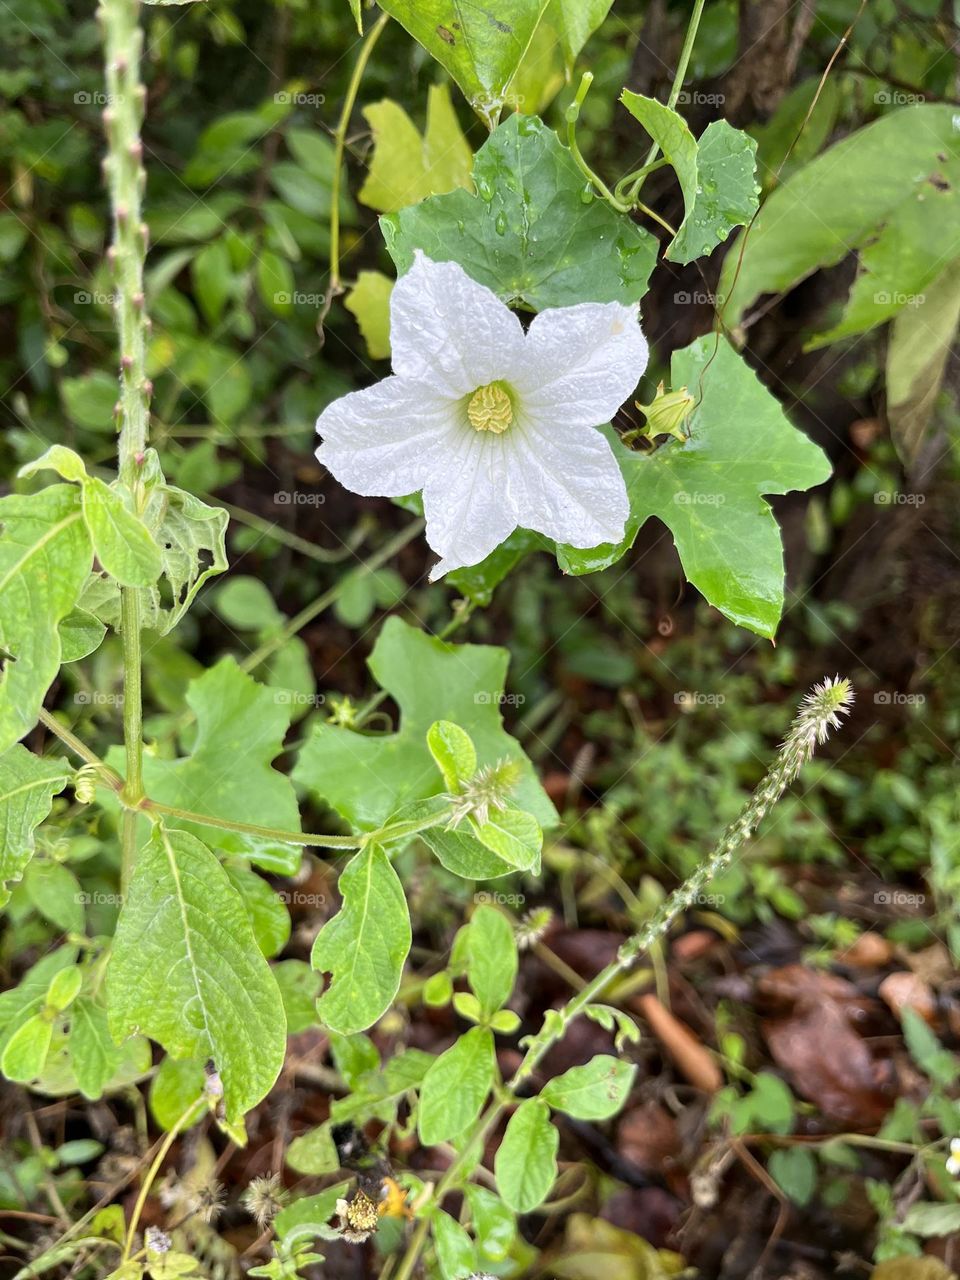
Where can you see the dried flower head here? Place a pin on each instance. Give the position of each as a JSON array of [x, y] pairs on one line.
[[263, 1199], [359, 1217]]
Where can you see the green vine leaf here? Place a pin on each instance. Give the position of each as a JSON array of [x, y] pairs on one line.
[[27, 787], [718, 175], [480, 47], [491, 958], [367, 778], [456, 1252], [708, 489], [840, 201], [45, 557], [122, 542], [240, 729], [526, 1161], [456, 1087], [191, 535], [528, 234], [595, 1091], [186, 971], [408, 166], [364, 946]]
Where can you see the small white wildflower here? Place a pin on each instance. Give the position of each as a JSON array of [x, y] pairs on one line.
[[953, 1162], [496, 426]]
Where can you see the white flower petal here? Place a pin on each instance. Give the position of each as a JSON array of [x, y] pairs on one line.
[[466, 502], [387, 440], [565, 482], [582, 362], [449, 332]]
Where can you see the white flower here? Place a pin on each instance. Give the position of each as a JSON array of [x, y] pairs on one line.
[[953, 1162], [498, 427]]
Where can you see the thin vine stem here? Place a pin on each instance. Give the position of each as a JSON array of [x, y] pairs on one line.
[[678, 78], [339, 149], [122, 118]]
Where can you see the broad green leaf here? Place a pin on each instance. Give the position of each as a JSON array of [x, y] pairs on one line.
[[354, 1056], [456, 1087], [494, 1224], [481, 48], [240, 729], [526, 1162], [186, 971], [528, 233], [369, 302], [27, 787], [368, 778], [54, 891], [93, 1055], [365, 945], [91, 400], [45, 557], [717, 175], [177, 1085], [269, 918], [408, 166], [595, 1091], [513, 835], [26, 1050], [453, 751], [80, 635], [800, 126], [122, 542], [708, 489], [456, 1253], [839, 201], [921, 338], [491, 958]]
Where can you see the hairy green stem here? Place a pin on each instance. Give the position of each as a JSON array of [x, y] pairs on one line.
[[123, 166], [819, 712], [382, 835]]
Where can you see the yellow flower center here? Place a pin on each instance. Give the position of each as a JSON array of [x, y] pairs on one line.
[[490, 408]]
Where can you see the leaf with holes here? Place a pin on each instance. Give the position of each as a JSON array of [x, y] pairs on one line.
[[45, 557], [185, 970], [480, 46]]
